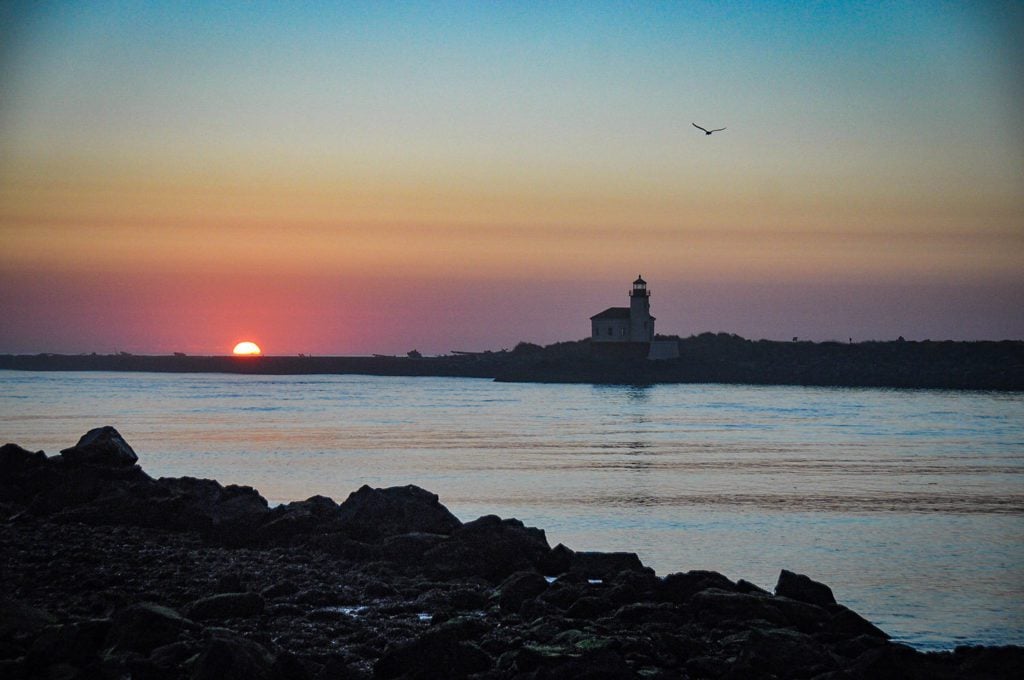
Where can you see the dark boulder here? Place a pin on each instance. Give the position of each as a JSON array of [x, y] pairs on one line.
[[15, 460], [101, 447], [144, 626], [744, 586], [280, 589], [489, 547], [206, 504], [229, 513], [995, 663], [372, 514], [409, 549], [23, 475], [846, 623], [598, 664], [19, 619], [78, 643], [435, 654], [719, 607], [288, 524], [777, 653], [681, 587], [589, 607], [805, 617], [604, 565], [227, 606], [226, 657], [803, 588], [896, 662], [557, 561], [518, 588]]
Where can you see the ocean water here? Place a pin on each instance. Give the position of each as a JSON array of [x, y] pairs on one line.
[[909, 504]]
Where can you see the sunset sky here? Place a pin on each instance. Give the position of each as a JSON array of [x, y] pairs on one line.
[[349, 178]]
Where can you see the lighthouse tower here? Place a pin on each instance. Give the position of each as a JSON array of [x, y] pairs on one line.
[[641, 323]]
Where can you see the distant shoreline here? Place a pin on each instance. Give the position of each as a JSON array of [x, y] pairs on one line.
[[706, 358]]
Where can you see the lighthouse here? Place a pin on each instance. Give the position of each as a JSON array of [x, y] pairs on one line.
[[641, 323], [633, 324]]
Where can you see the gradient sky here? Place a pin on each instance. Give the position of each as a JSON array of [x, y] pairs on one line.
[[348, 178]]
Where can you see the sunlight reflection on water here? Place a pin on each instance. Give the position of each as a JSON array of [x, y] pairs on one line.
[[910, 504]]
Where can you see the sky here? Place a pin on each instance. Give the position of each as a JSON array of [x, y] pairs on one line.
[[350, 178]]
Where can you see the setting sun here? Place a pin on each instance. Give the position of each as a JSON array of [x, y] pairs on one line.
[[247, 349]]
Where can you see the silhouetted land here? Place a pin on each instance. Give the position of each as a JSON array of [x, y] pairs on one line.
[[110, 573], [705, 358]]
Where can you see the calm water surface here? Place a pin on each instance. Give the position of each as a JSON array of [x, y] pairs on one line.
[[910, 504]]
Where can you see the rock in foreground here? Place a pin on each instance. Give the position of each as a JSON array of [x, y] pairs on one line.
[[110, 573]]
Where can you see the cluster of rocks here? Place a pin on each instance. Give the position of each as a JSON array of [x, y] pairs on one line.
[[109, 573]]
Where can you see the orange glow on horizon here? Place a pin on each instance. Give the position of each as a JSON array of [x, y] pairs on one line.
[[247, 349]]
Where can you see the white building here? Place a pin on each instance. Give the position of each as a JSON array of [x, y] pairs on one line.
[[626, 324]]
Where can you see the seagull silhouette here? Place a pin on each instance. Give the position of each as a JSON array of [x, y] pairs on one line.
[[707, 132]]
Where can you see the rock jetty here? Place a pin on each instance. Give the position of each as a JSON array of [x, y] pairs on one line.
[[109, 573]]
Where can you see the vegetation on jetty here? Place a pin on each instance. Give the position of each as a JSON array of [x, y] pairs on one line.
[[705, 358]]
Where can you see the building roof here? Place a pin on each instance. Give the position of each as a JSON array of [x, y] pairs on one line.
[[613, 313], [640, 280]]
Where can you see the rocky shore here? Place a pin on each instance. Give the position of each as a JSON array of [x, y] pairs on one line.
[[109, 573]]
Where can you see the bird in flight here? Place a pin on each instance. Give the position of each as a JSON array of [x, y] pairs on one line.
[[707, 132]]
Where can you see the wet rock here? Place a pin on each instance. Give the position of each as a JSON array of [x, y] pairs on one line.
[[233, 658], [101, 447], [372, 514], [518, 588], [280, 589], [226, 606], [803, 588], [330, 614], [144, 626]]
